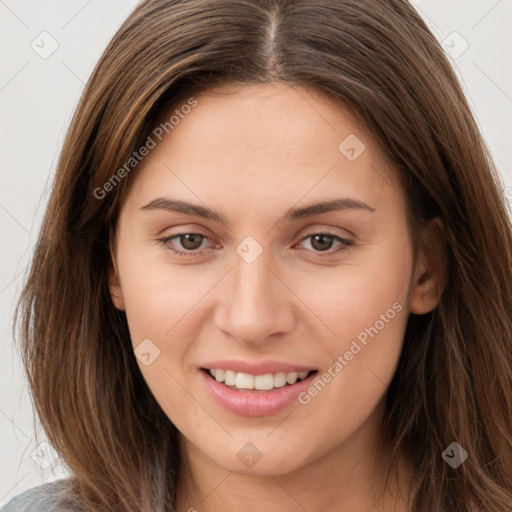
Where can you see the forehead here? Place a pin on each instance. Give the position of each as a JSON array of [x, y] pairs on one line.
[[266, 118], [262, 141]]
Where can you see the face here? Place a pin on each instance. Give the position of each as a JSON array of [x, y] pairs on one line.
[[224, 264]]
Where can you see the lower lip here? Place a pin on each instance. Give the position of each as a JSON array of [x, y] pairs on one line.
[[252, 403]]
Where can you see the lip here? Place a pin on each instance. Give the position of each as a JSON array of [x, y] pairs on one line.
[[261, 368], [247, 403]]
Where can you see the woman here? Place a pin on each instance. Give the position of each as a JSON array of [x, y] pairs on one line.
[[275, 271]]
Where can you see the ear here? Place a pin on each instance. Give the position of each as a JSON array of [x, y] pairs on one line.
[[429, 277], [114, 284]]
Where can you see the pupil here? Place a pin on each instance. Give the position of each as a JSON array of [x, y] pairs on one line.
[[325, 242], [191, 241]]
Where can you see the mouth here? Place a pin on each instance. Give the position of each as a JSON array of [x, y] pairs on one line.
[[262, 388], [248, 383]]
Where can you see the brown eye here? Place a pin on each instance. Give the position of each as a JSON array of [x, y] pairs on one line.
[[190, 241], [185, 244], [323, 242]]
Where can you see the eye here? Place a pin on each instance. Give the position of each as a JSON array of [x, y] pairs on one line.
[[323, 242], [190, 242]]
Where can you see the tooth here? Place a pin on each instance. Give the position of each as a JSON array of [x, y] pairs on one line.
[[280, 380], [264, 382], [291, 377], [244, 381], [230, 377], [260, 382]]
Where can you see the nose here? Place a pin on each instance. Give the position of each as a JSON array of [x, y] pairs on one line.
[[255, 304]]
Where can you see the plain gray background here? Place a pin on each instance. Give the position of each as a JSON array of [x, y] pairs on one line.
[[38, 93]]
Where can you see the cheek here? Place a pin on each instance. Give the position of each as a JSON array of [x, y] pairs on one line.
[[366, 311], [165, 315], [366, 296], [161, 297], [161, 309]]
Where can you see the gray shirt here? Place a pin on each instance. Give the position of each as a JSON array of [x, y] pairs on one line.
[[51, 496]]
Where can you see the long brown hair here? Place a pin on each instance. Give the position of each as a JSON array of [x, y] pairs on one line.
[[454, 378]]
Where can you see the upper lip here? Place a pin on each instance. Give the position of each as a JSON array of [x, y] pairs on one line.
[[256, 368]]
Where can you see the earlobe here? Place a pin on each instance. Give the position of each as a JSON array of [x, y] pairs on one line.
[[429, 277]]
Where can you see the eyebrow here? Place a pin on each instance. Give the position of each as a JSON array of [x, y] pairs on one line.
[[294, 214]]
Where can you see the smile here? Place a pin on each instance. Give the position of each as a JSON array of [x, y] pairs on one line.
[[246, 394], [247, 382]]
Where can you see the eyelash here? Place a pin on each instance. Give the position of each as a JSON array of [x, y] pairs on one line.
[[345, 244]]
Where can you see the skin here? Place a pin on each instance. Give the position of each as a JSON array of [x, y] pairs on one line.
[[252, 155]]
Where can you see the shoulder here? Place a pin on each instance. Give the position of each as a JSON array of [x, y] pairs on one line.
[[54, 496]]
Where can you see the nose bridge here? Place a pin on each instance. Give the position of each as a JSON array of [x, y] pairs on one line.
[[252, 283], [257, 304]]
